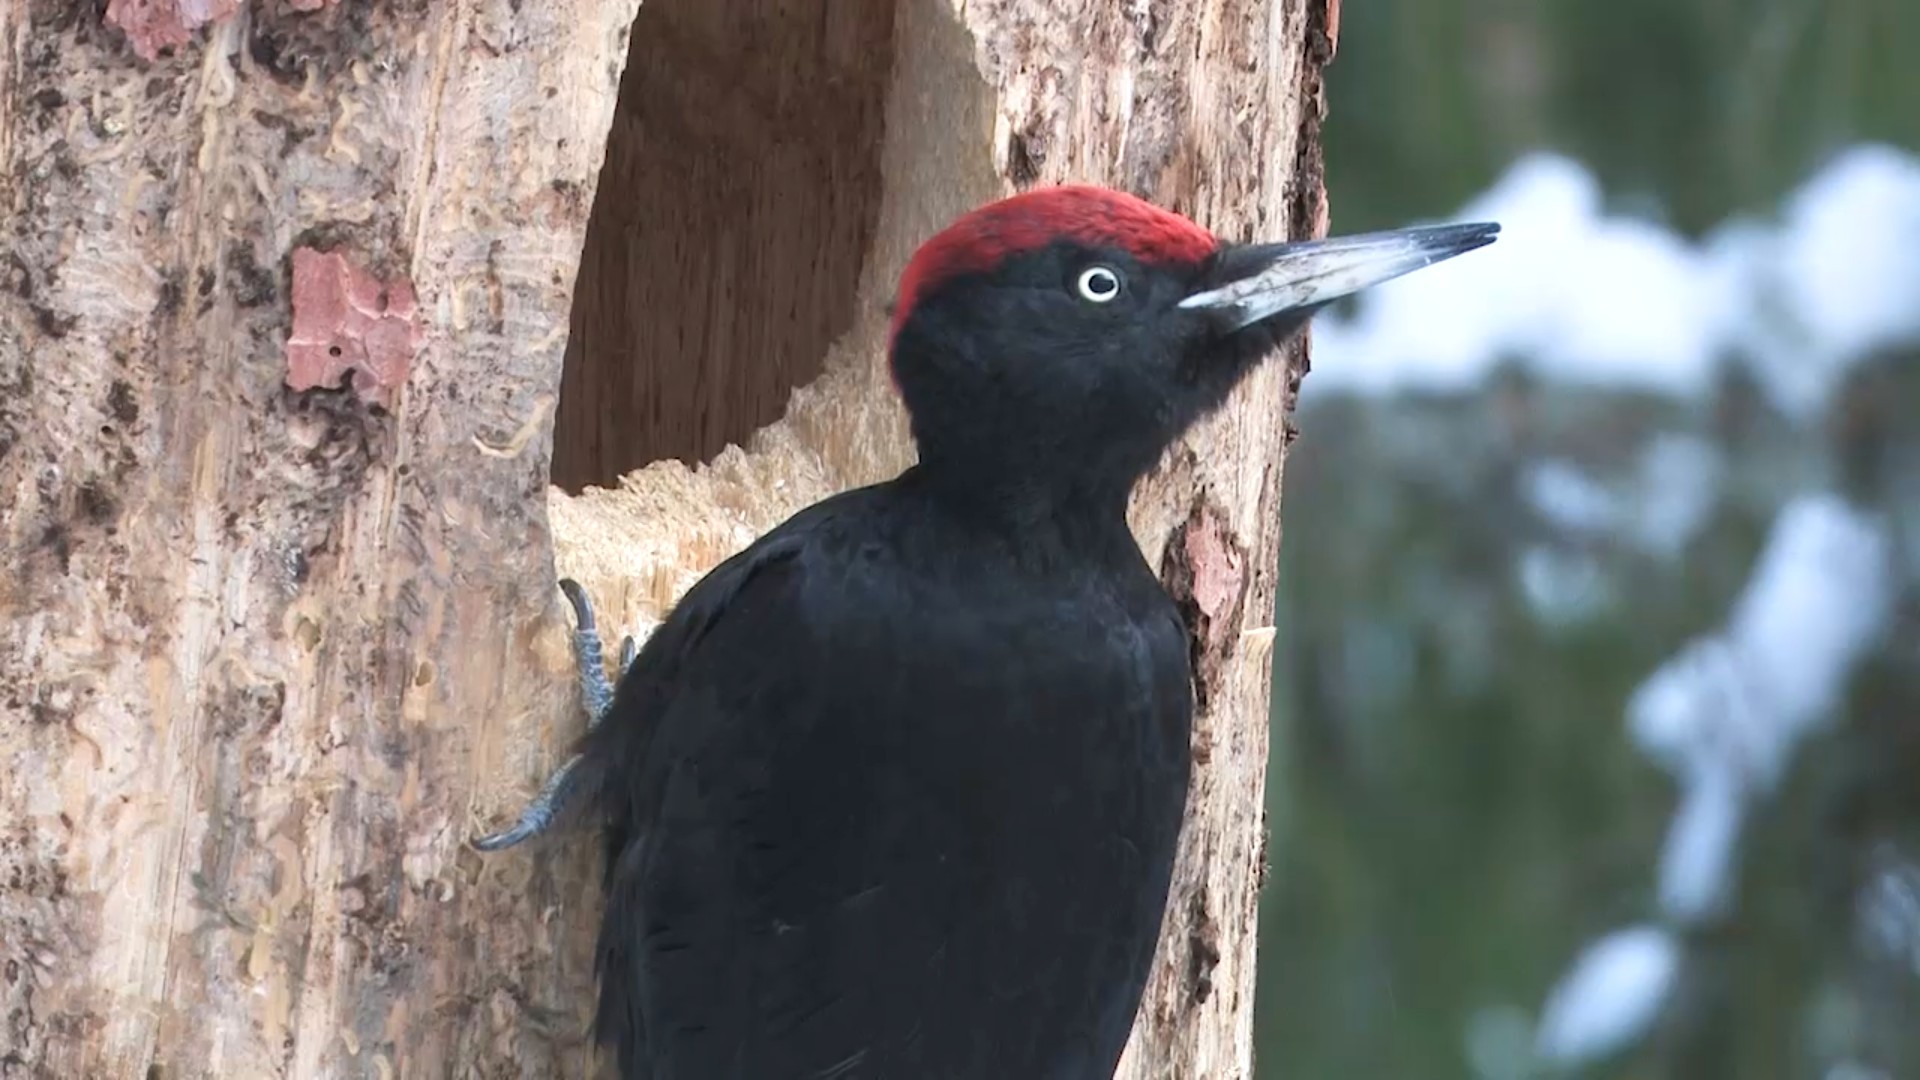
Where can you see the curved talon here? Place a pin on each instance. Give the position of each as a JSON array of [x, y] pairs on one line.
[[539, 815], [629, 651], [596, 694], [582, 607], [588, 653], [505, 839]]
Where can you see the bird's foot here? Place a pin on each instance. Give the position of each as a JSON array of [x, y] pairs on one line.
[[596, 694]]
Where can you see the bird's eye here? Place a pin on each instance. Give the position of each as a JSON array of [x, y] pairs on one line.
[[1099, 284]]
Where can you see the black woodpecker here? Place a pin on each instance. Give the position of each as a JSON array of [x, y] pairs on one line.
[[894, 793]]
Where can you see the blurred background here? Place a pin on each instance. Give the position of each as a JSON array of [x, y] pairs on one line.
[[1597, 679]]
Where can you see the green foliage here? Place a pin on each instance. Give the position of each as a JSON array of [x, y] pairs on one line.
[[1694, 108]]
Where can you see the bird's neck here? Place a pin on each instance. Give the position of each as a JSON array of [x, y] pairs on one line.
[[1031, 507]]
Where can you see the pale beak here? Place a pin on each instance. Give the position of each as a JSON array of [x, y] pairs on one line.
[[1266, 280]]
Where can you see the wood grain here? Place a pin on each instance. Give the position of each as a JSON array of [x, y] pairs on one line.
[[250, 637]]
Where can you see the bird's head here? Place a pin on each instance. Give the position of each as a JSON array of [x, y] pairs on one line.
[[1062, 338]]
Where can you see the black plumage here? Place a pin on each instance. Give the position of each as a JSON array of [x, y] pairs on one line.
[[896, 791], [894, 795]]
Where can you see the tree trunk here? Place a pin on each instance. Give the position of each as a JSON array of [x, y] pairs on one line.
[[271, 652]]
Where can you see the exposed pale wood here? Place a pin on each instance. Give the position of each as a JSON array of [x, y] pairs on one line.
[[267, 659]]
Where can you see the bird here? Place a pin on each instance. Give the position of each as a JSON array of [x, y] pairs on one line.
[[895, 791]]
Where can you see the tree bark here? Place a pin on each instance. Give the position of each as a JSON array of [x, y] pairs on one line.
[[271, 652]]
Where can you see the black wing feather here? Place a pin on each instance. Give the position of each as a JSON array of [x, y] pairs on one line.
[[881, 807], [633, 751]]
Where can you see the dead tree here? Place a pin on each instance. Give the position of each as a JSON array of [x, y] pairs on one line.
[[298, 398]]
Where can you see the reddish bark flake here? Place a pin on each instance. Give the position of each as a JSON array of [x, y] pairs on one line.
[[310, 5], [346, 320], [154, 25], [1217, 575]]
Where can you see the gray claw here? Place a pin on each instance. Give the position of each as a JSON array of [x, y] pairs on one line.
[[588, 653], [597, 694], [539, 814]]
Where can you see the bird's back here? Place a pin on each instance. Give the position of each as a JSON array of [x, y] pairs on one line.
[[893, 796]]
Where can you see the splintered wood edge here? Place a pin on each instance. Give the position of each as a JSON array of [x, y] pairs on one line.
[[637, 547]]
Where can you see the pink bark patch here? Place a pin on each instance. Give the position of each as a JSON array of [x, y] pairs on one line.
[[1216, 567], [310, 5], [347, 320], [153, 25]]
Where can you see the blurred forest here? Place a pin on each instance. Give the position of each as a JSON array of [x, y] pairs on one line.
[[1472, 786], [1687, 110]]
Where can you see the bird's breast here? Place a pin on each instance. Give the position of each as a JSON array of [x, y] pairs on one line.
[[1052, 716]]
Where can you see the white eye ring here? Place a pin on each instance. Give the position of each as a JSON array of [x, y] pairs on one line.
[[1099, 284]]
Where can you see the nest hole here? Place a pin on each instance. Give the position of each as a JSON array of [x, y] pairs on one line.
[[735, 209]]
